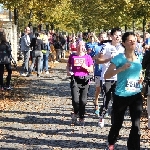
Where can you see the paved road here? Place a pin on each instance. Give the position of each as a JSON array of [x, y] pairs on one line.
[[42, 121]]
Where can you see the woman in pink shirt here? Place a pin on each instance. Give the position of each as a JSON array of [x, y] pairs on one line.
[[79, 66]]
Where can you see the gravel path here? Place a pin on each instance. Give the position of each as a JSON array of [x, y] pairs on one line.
[[42, 121]]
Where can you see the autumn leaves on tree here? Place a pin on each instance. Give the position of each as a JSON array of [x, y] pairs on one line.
[[73, 15]]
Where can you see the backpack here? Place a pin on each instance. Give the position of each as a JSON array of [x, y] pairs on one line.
[[5, 53]]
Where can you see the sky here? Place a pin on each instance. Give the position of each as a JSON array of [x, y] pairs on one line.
[[1, 7]]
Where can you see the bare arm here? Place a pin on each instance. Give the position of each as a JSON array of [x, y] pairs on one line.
[[94, 57], [101, 59], [68, 69], [89, 69], [112, 71]]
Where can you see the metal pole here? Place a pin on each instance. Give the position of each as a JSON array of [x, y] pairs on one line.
[[125, 28], [133, 23], [144, 29], [10, 15]]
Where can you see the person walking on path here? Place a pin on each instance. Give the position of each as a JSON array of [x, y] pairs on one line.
[[127, 67], [79, 66], [37, 45]]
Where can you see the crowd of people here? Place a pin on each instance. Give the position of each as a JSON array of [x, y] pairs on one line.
[[116, 60], [39, 48]]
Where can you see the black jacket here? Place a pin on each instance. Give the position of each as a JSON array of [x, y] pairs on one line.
[[37, 44], [57, 45], [5, 46]]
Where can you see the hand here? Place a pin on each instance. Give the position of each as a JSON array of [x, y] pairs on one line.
[[112, 56], [141, 79], [146, 46], [99, 55], [96, 56], [84, 65], [68, 73], [125, 66]]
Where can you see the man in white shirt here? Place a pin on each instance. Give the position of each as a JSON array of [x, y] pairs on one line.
[[108, 51]]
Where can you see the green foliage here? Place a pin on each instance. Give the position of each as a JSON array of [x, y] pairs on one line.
[[73, 15]]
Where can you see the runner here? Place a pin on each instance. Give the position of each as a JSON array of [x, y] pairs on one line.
[[108, 51], [97, 69], [72, 46], [91, 44], [127, 67], [82, 65]]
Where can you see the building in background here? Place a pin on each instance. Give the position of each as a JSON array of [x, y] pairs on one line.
[[5, 16]]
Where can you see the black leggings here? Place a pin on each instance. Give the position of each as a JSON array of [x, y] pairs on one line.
[[79, 91], [107, 88], [8, 78], [120, 105]]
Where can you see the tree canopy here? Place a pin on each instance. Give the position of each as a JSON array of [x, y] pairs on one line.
[[73, 15]]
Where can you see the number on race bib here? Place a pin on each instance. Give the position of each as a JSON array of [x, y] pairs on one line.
[[132, 86], [79, 61]]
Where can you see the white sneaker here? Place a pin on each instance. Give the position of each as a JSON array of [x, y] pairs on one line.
[[101, 122], [24, 74], [47, 72], [56, 62]]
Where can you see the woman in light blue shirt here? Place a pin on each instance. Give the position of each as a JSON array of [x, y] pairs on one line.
[[128, 68]]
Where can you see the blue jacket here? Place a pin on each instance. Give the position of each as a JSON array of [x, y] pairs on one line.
[[25, 44]]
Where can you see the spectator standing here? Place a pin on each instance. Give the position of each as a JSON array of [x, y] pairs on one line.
[[46, 52], [5, 48], [25, 48], [58, 47]]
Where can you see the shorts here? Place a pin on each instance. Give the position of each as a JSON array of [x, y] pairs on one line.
[[98, 82]]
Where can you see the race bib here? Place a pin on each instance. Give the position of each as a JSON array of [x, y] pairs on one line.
[[132, 85], [113, 52], [79, 61]]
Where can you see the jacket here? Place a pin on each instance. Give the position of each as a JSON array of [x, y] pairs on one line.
[[37, 44], [25, 43], [57, 45]]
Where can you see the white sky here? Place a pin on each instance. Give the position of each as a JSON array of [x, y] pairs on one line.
[[1, 7]]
